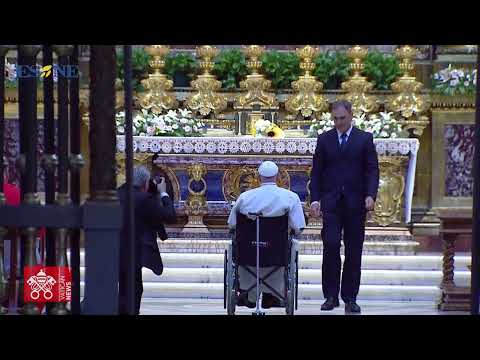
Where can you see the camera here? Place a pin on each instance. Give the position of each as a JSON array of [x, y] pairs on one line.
[[152, 185]]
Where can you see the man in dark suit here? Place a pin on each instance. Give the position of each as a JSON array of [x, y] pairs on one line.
[[152, 208], [343, 187]]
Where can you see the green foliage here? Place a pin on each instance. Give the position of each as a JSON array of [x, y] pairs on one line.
[[281, 68], [181, 62], [230, 68], [140, 59], [331, 69], [381, 69]]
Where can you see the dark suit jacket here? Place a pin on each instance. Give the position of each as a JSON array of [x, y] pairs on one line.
[[150, 214], [352, 172]]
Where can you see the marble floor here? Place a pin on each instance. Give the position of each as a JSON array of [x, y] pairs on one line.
[[305, 307]]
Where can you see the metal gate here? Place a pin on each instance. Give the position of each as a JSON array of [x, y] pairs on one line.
[[65, 218]]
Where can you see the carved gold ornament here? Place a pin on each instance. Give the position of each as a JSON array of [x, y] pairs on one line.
[[306, 99], [388, 206], [207, 100], [157, 98], [255, 85], [196, 204], [407, 99], [357, 86], [239, 179]]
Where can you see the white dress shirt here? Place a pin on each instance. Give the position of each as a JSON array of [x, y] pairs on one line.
[[340, 135], [272, 201]]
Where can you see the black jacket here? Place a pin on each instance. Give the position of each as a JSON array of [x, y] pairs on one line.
[[352, 172], [151, 213]]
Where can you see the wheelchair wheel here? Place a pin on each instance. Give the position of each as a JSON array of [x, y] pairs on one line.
[[290, 298], [290, 305], [225, 267], [231, 295], [231, 302]]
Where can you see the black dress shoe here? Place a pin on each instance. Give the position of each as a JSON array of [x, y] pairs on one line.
[[242, 300], [269, 301], [352, 307], [330, 304]]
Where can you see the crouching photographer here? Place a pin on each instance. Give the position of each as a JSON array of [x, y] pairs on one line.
[[152, 208]]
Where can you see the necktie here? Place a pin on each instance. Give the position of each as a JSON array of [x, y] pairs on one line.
[[343, 141]]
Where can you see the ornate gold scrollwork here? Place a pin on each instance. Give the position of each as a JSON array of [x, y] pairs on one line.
[[408, 101], [357, 86], [255, 84], [157, 98], [207, 100], [196, 204], [306, 100], [388, 207], [239, 179]]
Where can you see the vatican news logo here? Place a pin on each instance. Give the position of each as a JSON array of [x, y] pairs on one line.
[[47, 284], [29, 71]]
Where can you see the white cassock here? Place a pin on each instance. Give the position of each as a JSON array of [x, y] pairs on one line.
[[272, 201]]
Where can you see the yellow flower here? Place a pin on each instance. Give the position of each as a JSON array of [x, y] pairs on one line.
[[275, 132]]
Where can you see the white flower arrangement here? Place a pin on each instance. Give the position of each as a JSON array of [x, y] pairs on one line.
[[382, 125], [451, 81], [174, 123], [322, 125]]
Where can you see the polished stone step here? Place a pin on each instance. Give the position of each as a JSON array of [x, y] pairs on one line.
[[305, 292], [391, 262], [307, 276], [177, 306], [391, 246], [384, 277], [313, 276], [379, 262]]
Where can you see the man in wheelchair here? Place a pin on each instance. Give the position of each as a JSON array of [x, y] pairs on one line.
[[281, 214]]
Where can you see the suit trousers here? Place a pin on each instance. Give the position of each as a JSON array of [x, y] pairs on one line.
[[352, 224], [122, 291]]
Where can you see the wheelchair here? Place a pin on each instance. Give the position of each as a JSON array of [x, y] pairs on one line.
[[276, 248]]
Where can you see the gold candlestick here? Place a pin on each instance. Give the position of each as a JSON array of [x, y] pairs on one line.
[[207, 100], [306, 100], [157, 97], [255, 84], [357, 86], [408, 101]]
